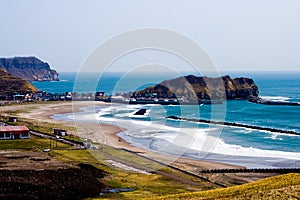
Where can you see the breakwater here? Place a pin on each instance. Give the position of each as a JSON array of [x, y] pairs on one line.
[[274, 130], [254, 170], [259, 100]]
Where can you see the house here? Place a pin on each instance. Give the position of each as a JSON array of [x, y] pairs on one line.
[[19, 97], [99, 96], [68, 95], [60, 132], [14, 132], [13, 119]]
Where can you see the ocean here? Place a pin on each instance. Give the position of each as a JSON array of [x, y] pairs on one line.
[[233, 145]]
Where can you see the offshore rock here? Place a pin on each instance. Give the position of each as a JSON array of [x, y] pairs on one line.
[[202, 88]]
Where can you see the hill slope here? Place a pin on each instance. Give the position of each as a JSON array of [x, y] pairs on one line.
[[279, 187], [193, 87], [10, 84], [29, 68]]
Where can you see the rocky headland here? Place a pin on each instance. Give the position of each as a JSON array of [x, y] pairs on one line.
[[202, 88], [29, 68]]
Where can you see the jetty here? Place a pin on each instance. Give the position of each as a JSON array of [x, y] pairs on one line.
[[260, 100]]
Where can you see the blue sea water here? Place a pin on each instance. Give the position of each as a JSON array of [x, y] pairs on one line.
[[246, 142], [111, 83]]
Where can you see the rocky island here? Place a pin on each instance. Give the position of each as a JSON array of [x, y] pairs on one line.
[[202, 88], [29, 68]]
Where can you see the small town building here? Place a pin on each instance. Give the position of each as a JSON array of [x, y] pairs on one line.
[[14, 132], [69, 95], [60, 132], [12, 119], [19, 97], [99, 95]]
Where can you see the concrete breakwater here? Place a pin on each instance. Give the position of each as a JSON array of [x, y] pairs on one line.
[[256, 170], [274, 130], [259, 100]]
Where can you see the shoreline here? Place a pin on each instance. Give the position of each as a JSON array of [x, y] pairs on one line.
[[108, 133]]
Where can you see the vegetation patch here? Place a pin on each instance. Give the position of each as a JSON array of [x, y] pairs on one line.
[[65, 184], [32, 144], [279, 187], [145, 185]]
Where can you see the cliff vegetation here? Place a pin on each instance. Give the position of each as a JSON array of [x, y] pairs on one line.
[[10, 84]]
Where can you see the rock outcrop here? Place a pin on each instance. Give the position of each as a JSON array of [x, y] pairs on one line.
[[203, 88], [239, 88], [10, 84], [29, 68]]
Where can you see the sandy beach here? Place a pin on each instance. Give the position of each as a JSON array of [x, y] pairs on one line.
[[104, 133]]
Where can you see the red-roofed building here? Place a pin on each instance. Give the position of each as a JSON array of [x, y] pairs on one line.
[[14, 132]]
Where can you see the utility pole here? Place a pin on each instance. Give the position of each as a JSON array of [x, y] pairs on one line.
[[50, 143]]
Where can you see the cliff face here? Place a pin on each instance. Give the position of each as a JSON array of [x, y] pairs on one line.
[[193, 88], [10, 84], [240, 88], [29, 68]]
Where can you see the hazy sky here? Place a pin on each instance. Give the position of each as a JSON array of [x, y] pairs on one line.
[[238, 35]]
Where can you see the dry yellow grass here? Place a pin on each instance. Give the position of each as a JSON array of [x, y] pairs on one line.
[[279, 187]]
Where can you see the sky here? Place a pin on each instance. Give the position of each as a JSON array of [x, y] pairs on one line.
[[250, 35]]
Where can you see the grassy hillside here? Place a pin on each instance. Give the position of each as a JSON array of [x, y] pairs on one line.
[[279, 187], [10, 84]]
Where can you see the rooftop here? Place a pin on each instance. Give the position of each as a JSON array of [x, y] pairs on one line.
[[13, 128]]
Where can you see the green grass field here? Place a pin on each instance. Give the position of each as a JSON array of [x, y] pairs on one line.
[[32, 144], [40, 126]]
